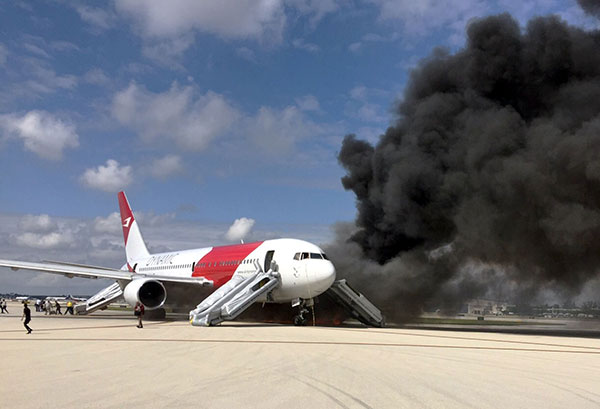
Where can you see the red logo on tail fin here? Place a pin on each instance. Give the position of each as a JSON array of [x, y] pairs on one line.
[[126, 215]]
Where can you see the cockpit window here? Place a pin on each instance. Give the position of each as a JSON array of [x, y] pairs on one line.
[[325, 256], [314, 256]]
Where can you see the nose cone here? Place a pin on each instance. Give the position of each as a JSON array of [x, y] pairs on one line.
[[323, 276]]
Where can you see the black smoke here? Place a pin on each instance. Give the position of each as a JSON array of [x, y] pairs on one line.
[[490, 174], [591, 7]]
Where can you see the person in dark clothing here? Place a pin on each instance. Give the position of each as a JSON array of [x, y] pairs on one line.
[[57, 306], [3, 306], [138, 310], [26, 316]]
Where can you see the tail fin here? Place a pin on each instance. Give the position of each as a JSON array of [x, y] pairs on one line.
[[135, 248]]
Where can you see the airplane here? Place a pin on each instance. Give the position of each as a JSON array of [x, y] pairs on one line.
[[228, 279]]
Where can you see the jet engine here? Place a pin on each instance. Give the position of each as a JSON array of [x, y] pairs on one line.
[[151, 293]]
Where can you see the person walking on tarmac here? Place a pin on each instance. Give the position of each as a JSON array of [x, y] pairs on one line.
[[138, 310], [3, 306], [57, 305], [69, 307], [26, 316]]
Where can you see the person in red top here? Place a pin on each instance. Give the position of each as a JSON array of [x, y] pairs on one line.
[[138, 310]]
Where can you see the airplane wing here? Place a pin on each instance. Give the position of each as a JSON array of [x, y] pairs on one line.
[[80, 270]]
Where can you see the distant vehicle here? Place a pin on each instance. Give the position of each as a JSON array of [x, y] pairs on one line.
[[22, 298], [63, 298]]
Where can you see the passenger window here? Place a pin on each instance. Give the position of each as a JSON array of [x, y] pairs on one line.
[[297, 256]]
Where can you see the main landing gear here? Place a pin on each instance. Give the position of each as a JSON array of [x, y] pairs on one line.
[[300, 319]]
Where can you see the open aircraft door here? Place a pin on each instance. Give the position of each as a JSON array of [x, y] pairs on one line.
[[268, 259]]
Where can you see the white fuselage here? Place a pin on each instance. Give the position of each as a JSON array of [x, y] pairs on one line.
[[304, 269]]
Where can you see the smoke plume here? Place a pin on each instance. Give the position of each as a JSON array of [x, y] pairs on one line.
[[592, 7], [490, 174]]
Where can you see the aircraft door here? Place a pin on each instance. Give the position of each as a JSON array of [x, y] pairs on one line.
[[268, 259]]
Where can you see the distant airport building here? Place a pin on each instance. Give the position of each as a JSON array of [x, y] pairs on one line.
[[486, 307]]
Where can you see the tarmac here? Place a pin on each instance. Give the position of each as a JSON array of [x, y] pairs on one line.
[[104, 361]]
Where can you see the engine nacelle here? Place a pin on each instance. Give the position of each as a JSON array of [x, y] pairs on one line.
[[149, 292]]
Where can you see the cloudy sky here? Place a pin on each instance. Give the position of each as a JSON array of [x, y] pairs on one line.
[[220, 120]]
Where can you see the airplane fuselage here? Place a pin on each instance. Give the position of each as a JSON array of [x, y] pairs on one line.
[[304, 268]]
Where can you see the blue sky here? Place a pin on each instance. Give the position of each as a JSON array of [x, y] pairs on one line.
[[203, 112]]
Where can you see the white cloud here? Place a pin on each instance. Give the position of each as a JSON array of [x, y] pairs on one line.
[[35, 66], [308, 103], [303, 45], [355, 47], [239, 229], [41, 133], [37, 77], [44, 241], [153, 219], [315, 9], [34, 49], [96, 76], [276, 131], [361, 105], [420, 18], [164, 167], [246, 19], [109, 178], [48, 80], [424, 17], [246, 53], [3, 54], [359, 92], [40, 224], [41, 232], [64, 46], [524, 10], [371, 113], [166, 52], [99, 18], [370, 134], [109, 224], [576, 16], [160, 22], [191, 121]]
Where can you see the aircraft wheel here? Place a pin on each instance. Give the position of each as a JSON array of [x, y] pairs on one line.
[[299, 321]]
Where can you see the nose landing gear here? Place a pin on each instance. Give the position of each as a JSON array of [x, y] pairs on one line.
[[300, 319]]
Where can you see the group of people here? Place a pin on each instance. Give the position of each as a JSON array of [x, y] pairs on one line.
[[138, 310], [49, 307]]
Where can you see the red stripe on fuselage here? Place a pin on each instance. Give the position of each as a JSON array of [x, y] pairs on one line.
[[221, 262]]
